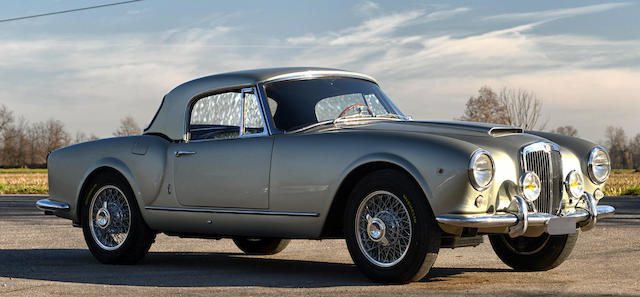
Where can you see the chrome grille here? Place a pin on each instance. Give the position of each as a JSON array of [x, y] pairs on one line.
[[545, 160]]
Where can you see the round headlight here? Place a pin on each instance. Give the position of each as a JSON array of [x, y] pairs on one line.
[[599, 165], [574, 184], [530, 186], [481, 170]]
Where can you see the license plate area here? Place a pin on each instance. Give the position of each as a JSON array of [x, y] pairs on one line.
[[561, 225]]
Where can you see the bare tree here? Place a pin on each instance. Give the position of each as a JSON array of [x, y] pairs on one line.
[[616, 143], [27, 145], [485, 108], [82, 137], [523, 107], [566, 130], [6, 117], [47, 137], [15, 141], [128, 126], [635, 150]]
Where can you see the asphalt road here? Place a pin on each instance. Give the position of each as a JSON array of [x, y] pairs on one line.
[[45, 255]]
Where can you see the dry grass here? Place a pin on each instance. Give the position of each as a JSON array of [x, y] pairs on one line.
[[24, 183], [34, 181], [623, 182]]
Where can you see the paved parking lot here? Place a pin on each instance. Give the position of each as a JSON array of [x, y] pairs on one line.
[[45, 255]]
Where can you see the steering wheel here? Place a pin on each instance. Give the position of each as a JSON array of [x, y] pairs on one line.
[[354, 106]]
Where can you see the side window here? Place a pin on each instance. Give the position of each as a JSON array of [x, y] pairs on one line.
[[220, 116]]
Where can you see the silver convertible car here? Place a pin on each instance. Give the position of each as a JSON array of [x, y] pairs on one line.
[[265, 156]]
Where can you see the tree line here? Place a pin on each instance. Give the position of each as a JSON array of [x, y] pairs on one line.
[[25, 144], [522, 108]]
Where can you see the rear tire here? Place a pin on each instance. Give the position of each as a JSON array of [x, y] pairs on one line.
[[540, 253], [113, 227], [390, 230], [261, 246]]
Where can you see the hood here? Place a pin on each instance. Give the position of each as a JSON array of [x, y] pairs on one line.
[[488, 136]]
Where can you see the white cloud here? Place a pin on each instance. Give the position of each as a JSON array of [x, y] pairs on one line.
[[445, 14], [366, 8], [371, 30], [92, 82], [558, 13], [378, 29]]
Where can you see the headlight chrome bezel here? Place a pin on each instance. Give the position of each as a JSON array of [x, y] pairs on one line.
[[577, 176], [590, 165], [472, 172], [523, 180]]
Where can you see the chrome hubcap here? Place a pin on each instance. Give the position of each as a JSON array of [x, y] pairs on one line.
[[109, 217], [103, 218], [375, 228], [383, 228]]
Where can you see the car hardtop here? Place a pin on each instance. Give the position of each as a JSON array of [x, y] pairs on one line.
[[169, 120]]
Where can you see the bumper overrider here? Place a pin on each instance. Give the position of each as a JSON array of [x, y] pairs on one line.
[[518, 218], [51, 205]]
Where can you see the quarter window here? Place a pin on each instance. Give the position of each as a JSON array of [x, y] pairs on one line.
[[253, 123]]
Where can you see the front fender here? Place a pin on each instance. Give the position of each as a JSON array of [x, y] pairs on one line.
[[392, 159]]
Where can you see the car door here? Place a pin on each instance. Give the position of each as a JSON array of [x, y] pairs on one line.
[[226, 161]]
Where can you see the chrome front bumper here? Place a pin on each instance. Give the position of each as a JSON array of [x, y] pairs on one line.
[[50, 205], [518, 219]]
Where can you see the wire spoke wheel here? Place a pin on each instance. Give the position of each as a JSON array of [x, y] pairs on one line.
[[383, 228], [109, 218]]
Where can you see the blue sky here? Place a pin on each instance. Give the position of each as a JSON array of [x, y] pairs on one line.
[[91, 68]]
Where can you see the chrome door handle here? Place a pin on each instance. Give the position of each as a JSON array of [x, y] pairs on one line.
[[184, 153]]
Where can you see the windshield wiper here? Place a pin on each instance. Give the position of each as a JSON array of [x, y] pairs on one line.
[[391, 116], [307, 127], [354, 117]]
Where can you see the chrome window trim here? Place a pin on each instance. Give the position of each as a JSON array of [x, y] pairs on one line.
[[306, 76], [235, 211], [266, 112], [317, 74], [472, 161], [243, 91], [590, 165]]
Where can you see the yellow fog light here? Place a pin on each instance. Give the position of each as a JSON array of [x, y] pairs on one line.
[[530, 186], [574, 184]]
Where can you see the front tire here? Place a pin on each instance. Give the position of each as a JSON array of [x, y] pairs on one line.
[[540, 253], [390, 230], [261, 246], [112, 225]]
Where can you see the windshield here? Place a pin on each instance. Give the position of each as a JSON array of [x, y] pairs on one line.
[[300, 103]]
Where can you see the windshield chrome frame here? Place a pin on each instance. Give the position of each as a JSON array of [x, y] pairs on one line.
[[315, 75]]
